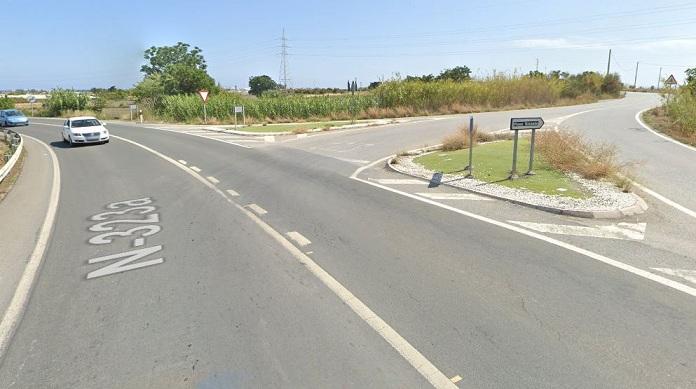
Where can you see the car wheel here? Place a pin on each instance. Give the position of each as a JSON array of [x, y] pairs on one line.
[[70, 142]]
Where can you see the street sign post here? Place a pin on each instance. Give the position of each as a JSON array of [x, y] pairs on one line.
[[671, 80], [132, 108], [517, 125], [204, 96], [470, 167], [239, 109], [32, 100]]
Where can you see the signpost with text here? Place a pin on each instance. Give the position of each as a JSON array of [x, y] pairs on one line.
[[517, 125]]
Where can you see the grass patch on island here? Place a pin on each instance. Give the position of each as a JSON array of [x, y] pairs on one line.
[[492, 164]]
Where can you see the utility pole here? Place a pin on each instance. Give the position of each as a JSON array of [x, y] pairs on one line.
[[609, 63], [284, 60], [635, 80], [659, 78], [537, 64]]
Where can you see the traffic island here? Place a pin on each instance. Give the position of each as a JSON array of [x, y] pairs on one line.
[[548, 189]]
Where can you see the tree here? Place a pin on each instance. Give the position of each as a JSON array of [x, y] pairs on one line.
[[691, 80], [160, 58], [611, 84], [149, 87], [182, 78], [536, 74], [260, 84], [459, 73]]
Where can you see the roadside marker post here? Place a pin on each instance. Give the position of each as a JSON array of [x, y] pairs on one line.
[[239, 109], [518, 124], [132, 108], [470, 167], [204, 96]]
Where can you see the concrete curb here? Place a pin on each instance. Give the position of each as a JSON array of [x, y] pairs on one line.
[[637, 208], [7, 168]]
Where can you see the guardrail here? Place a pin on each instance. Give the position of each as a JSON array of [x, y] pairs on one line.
[[16, 144]]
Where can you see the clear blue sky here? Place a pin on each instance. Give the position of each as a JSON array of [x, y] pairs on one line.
[[82, 44]]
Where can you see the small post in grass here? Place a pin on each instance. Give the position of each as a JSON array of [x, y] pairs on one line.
[[470, 167], [530, 172], [513, 172]]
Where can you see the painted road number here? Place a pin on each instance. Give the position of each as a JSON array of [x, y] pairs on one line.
[[129, 260]]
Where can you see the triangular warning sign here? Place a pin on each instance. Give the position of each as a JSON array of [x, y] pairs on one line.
[[204, 94], [671, 80]]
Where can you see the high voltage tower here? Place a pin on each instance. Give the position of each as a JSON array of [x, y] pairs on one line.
[[283, 76]]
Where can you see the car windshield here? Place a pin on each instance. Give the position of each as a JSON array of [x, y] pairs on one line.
[[85, 123], [14, 113]]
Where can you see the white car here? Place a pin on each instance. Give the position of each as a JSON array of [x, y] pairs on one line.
[[84, 129]]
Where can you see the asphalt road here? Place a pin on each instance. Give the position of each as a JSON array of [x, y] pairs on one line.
[[230, 306]]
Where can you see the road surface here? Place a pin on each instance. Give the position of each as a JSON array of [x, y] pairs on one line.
[[239, 298]]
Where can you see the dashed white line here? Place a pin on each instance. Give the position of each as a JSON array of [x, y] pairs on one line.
[[196, 169], [417, 360], [181, 161], [258, 210], [455, 196], [213, 180], [232, 192], [456, 379], [298, 238]]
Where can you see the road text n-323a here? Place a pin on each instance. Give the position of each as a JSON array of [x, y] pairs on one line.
[[139, 213]]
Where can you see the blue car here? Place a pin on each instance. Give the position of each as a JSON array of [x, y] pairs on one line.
[[13, 117]]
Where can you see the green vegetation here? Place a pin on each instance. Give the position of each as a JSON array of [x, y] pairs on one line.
[[260, 84], [492, 163], [677, 116], [6, 103], [62, 100]]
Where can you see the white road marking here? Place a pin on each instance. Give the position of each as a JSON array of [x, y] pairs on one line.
[[213, 180], [689, 275], [309, 252], [455, 196], [561, 119], [349, 160], [138, 242], [665, 200], [181, 161], [456, 379], [598, 257], [298, 238], [18, 305], [269, 138], [398, 181], [196, 169], [257, 209], [417, 360], [665, 137], [231, 192], [628, 231]]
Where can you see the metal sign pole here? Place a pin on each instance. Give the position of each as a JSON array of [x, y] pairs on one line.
[[243, 116], [235, 119], [530, 172], [471, 148], [513, 172], [205, 114]]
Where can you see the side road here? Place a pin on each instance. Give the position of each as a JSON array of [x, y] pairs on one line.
[[22, 214]]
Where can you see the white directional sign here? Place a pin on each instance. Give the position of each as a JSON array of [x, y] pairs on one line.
[[204, 94], [31, 99], [132, 107], [526, 123], [238, 109]]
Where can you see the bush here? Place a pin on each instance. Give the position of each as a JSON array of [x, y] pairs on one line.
[[61, 100], [6, 103]]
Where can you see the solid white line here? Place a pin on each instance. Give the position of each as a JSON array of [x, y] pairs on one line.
[[689, 275], [665, 137], [398, 181], [298, 238], [627, 231], [454, 196], [231, 192], [196, 169], [213, 180], [182, 162], [257, 209], [598, 257], [665, 200], [20, 299], [456, 379], [401, 345]]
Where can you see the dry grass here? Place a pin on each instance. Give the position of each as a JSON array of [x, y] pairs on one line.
[[570, 152], [460, 139], [671, 125]]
